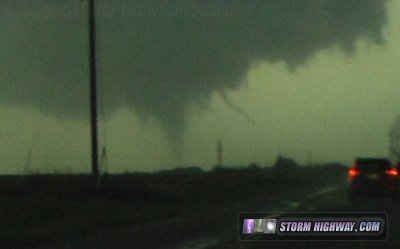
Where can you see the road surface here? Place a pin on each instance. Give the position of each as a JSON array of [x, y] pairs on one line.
[[217, 229]]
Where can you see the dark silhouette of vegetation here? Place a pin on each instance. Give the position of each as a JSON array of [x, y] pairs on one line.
[[182, 171], [285, 166]]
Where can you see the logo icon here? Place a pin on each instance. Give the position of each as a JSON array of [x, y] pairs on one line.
[[270, 226], [248, 226], [260, 225]]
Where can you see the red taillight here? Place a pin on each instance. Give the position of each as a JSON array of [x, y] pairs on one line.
[[392, 172], [353, 172]]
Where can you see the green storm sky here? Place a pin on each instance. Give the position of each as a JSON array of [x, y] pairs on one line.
[[317, 99]]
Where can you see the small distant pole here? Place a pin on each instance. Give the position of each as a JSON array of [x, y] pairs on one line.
[[219, 153], [93, 93], [310, 157], [28, 161], [104, 162], [103, 166]]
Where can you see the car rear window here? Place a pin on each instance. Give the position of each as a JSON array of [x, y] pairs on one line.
[[371, 165]]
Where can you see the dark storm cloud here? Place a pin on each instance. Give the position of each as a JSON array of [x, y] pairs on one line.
[[160, 57]]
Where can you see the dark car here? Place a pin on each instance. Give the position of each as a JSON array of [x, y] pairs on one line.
[[373, 177]]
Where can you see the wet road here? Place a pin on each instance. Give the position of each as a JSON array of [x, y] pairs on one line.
[[331, 201], [218, 228]]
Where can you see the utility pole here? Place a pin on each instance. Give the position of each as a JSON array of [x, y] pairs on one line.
[[219, 153], [93, 93]]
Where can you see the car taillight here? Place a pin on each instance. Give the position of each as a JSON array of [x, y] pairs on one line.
[[392, 172], [353, 172]]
